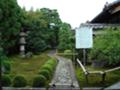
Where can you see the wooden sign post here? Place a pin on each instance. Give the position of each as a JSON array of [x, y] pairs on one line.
[[84, 39]]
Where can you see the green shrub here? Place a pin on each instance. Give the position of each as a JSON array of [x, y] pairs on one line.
[[52, 62], [6, 80], [39, 81], [45, 73], [7, 66], [19, 81], [48, 67], [2, 55], [5, 63], [107, 47], [67, 51]]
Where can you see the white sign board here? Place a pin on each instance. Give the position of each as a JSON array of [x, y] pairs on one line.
[[84, 37]]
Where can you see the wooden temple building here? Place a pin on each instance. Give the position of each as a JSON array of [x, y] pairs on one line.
[[109, 17]]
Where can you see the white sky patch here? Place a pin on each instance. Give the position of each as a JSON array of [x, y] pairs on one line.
[[74, 12]]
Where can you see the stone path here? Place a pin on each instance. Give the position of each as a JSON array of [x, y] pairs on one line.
[[115, 86], [64, 76]]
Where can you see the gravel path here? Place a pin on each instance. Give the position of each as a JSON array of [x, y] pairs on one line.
[[64, 76]]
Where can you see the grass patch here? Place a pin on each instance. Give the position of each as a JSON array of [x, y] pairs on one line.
[[27, 67], [95, 79]]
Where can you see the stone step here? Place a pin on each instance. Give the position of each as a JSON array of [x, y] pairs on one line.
[[93, 88], [58, 88], [13, 88]]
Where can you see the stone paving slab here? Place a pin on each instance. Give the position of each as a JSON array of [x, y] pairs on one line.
[[93, 88], [56, 88], [64, 76]]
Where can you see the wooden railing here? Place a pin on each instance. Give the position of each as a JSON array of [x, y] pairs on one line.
[[66, 53], [83, 68], [103, 73]]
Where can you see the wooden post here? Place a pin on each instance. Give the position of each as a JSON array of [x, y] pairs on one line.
[[76, 65], [84, 56], [84, 70], [86, 77], [103, 78]]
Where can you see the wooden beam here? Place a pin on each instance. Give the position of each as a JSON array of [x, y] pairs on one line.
[[95, 72], [83, 68], [113, 69], [99, 25]]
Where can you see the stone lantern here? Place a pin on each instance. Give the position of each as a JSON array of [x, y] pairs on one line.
[[22, 43]]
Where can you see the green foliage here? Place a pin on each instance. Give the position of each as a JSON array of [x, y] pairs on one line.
[[9, 13], [65, 37], [94, 79], [107, 47], [5, 63], [45, 73], [67, 51], [52, 62], [39, 81], [36, 45], [41, 36], [7, 66], [28, 67], [36, 24], [48, 67], [19, 81], [2, 55], [6, 80]]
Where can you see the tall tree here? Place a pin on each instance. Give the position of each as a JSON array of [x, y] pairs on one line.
[[41, 35], [65, 37], [10, 14], [52, 17]]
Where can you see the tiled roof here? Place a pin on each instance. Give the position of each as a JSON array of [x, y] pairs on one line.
[[107, 12]]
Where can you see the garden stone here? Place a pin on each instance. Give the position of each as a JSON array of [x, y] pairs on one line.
[[29, 54], [96, 63]]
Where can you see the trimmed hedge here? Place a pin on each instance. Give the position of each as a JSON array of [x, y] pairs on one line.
[[39, 81], [48, 68], [45, 73], [52, 62], [6, 80], [19, 81]]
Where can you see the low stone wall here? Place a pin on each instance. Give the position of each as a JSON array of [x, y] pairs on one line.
[[51, 88], [12, 88]]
